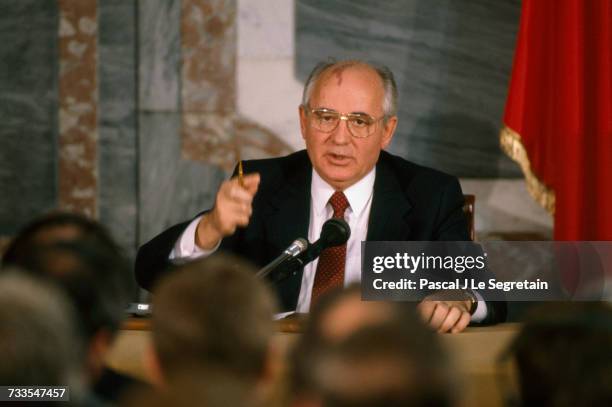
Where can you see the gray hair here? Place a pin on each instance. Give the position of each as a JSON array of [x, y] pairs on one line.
[[38, 340], [389, 103]]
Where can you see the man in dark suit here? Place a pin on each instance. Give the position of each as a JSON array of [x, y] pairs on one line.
[[347, 116]]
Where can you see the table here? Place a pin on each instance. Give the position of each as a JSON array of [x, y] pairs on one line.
[[128, 352], [473, 354]]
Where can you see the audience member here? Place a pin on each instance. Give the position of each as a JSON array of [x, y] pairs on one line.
[[38, 340], [336, 317], [80, 256], [213, 314], [393, 363], [563, 355], [55, 227], [342, 312]]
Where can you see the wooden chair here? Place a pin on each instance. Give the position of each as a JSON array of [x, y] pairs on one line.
[[468, 209]]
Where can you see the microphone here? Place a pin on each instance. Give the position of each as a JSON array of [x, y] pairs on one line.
[[297, 247], [334, 232]]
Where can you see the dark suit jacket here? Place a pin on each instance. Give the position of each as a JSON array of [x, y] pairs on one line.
[[410, 202]]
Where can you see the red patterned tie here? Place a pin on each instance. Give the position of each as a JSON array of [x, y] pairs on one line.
[[330, 270]]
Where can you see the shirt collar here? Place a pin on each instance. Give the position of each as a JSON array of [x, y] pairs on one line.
[[357, 194]]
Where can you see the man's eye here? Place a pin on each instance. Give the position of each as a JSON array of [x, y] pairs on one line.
[[326, 117], [360, 122]]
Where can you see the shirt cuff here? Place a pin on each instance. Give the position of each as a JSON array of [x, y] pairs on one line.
[[481, 309], [186, 248]]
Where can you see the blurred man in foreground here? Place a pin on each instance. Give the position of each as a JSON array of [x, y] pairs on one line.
[[563, 355], [387, 365], [39, 342], [80, 257], [213, 315], [328, 347]]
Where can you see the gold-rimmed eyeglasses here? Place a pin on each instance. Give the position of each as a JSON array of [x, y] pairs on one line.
[[360, 125]]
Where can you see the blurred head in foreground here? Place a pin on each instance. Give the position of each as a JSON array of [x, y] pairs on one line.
[[79, 256], [38, 340], [387, 364], [58, 227], [212, 314], [338, 317], [563, 355], [342, 312]]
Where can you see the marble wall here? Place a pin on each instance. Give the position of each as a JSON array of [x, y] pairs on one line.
[[78, 106], [171, 188], [99, 117], [28, 111], [158, 111], [212, 130], [268, 91], [118, 120], [191, 135], [505, 211]]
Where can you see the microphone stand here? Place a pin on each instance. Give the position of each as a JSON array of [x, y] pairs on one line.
[[297, 247], [333, 233]]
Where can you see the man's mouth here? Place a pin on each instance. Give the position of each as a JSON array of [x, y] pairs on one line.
[[338, 159]]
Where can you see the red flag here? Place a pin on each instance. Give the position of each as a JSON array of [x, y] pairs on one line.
[[558, 118]]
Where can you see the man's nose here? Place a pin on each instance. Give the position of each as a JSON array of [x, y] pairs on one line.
[[342, 134]]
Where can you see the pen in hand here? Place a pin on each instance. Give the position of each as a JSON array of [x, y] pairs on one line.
[[240, 174]]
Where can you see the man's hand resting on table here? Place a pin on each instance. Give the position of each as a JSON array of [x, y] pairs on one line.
[[445, 315], [233, 208]]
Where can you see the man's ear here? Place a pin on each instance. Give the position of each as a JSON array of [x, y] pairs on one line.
[[388, 131], [152, 366], [271, 374], [97, 352], [303, 121], [273, 365]]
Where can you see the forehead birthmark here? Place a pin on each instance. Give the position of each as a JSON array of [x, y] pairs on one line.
[[338, 71], [338, 75]]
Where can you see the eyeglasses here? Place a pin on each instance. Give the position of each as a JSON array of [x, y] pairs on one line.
[[360, 125]]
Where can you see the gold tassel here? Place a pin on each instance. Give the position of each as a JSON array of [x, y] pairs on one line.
[[512, 145]]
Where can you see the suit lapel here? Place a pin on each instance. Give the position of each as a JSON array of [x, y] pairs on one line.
[[390, 206]]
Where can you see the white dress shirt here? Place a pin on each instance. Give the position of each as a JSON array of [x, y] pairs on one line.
[[359, 196], [186, 248]]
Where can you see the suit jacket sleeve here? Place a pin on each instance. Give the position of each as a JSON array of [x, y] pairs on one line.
[[453, 227], [452, 223], [152, 258]]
